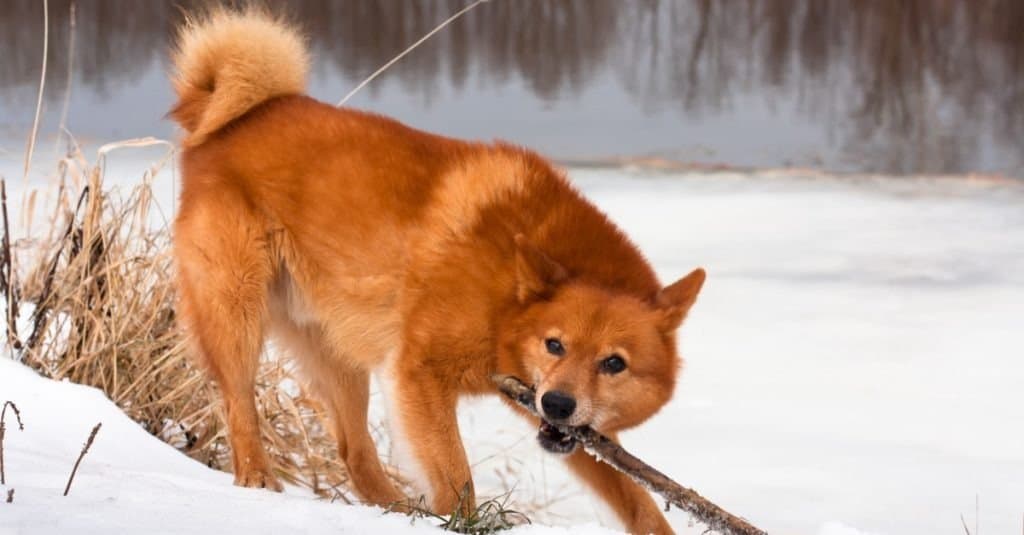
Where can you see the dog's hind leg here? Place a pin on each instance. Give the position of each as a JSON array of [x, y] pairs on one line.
[[224, 270], [345, 389]]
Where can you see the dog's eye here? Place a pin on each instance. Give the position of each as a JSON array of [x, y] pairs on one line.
[[555, 346], [613, 364]]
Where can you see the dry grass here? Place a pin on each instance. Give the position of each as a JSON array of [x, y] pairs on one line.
[[489, 516], [100, 281]]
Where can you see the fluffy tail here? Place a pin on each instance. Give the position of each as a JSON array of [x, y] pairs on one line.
[[226, 62]]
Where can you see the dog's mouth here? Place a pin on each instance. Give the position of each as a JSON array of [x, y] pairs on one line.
[[555, 441]]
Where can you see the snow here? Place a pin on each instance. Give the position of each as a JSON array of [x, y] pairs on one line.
[[853, 366], [130, 482]]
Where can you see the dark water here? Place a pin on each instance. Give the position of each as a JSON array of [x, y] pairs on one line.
[[907, 86]]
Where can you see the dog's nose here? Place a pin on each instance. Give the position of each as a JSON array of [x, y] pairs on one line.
[[557, 405]]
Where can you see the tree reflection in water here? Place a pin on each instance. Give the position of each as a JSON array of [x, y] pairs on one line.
[[907, 85]]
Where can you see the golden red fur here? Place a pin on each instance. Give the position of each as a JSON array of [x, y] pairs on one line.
[[364, 245]]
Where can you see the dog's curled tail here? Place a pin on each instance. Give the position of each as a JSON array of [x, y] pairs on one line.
[[226, 62]]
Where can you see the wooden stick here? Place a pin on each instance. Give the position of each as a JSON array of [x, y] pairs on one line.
[[604, 450], [85, 449]]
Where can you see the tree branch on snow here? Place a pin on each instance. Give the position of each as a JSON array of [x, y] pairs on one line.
[[3, 431], [606, 451], [85, 449]]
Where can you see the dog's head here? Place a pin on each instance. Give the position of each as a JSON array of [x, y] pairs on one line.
[[596, 357]]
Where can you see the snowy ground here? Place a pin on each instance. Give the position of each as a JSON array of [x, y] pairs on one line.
[[129, 482], [853, 365]]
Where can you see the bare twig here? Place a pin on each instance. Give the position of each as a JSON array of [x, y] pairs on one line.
[[10, 495], [3, 431], [602, 448], [394, 60], [85, 449]]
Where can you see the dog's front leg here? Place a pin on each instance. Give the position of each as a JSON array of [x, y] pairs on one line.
[[427, 420], [632, 503]]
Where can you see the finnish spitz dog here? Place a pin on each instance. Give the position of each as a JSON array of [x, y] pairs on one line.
[[365, 246]]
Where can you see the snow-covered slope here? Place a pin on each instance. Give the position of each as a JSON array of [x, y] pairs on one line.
[[130, 482]]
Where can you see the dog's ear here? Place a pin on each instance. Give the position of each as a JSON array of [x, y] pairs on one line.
[[537, 275], [675, 300]]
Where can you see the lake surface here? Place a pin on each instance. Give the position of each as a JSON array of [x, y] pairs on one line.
[[903, 87]]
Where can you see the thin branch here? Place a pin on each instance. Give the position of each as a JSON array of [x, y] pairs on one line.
[[10, 495], [607, 451], [85, 449], [394, 60]]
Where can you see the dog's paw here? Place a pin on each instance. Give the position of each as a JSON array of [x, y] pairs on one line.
[[258, 479]]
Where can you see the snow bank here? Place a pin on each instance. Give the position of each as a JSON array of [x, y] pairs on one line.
[[130, 482]]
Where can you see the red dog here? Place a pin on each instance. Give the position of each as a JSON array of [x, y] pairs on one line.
[[365, 245]]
